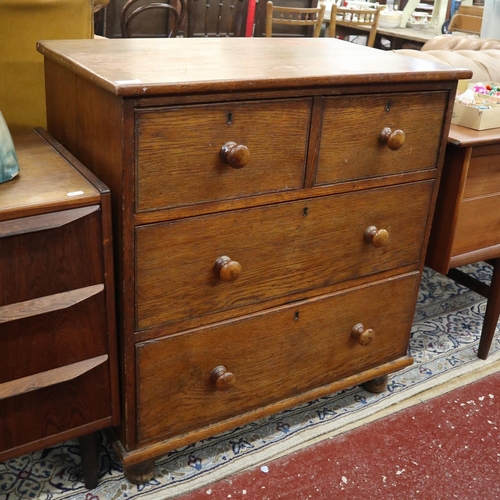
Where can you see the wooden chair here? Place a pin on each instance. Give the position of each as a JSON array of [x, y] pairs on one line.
[[215, 18], [468, 19], [173, 18], [295, 17], [355, 18]]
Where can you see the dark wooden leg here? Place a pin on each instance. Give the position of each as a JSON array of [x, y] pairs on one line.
[[90, 460], [140, 473], [492, 312], [377, 385]]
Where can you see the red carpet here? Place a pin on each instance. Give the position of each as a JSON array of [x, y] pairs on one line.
[[444, 448]]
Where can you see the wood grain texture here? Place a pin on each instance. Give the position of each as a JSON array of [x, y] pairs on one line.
[[63, 411], [47, 304], [453, 179], [176, 142], [152, 128], [478, 225], [353, 151], [54, 338], [483, 177], [177, 66], [50, 377], [58, 379], [268, 356], [46, 181], [43, 222], [463, 136], [51, 261], [282, 249]]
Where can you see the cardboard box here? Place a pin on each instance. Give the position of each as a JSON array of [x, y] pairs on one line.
[[475, 116]]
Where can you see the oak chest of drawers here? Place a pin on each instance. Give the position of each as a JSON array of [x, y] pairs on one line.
[[272, 201], [59, 374]]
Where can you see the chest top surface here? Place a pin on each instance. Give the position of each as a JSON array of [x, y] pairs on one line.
[[146, 67], [45, 180]]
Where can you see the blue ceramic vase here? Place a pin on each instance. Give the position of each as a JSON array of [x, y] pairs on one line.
[[9, 166]]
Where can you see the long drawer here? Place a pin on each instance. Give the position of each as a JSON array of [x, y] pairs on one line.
[[194, 379], [280, 249], [179, 151], [350, 147]]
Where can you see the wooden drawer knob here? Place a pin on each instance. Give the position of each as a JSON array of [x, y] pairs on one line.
[[221, 378], [236, 155], [394, 139], [377, 237], [363, 335], [228, 270]]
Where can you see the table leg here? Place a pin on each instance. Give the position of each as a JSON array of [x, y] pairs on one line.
[[90, 459], [492, 312]]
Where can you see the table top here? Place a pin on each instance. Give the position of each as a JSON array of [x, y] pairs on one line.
[[415, 35], [45, 181], [148, 67], [465, 137]]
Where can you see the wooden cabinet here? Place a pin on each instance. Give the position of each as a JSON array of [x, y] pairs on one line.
[[58, 379], [466, 225], [272, 200]]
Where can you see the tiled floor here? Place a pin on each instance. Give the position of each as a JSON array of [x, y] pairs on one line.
[[444, 448]]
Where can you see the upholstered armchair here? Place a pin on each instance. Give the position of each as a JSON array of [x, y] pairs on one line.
[[22, 24]]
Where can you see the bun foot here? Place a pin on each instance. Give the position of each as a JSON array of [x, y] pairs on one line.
[[140, 473], [377, 385]]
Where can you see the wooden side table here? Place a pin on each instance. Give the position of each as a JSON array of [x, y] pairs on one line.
[[466, 225], [58, 376]]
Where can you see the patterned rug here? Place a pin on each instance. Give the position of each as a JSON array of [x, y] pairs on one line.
[[444, 341]]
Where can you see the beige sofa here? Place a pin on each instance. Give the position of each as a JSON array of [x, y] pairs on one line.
[[481, 55]]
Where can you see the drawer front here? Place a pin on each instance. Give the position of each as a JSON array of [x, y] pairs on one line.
[[40, 414], [483, 175], [48, 254], [273, 356], [350, 146], [478, 225], [65, 335], [285, 248], [179, 160]]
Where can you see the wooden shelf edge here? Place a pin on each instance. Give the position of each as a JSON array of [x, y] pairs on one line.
[[49, 377], [52, 220], [49, 303]]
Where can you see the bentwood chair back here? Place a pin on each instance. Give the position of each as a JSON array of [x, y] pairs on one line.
[[294, 16], [171, 12], [355, 18]]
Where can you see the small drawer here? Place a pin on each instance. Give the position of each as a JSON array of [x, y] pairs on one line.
[[274, 250], [483, 174], [350, 147], [478, 225], [51, 253], [52, 332], [179, 160], [269, 357]]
